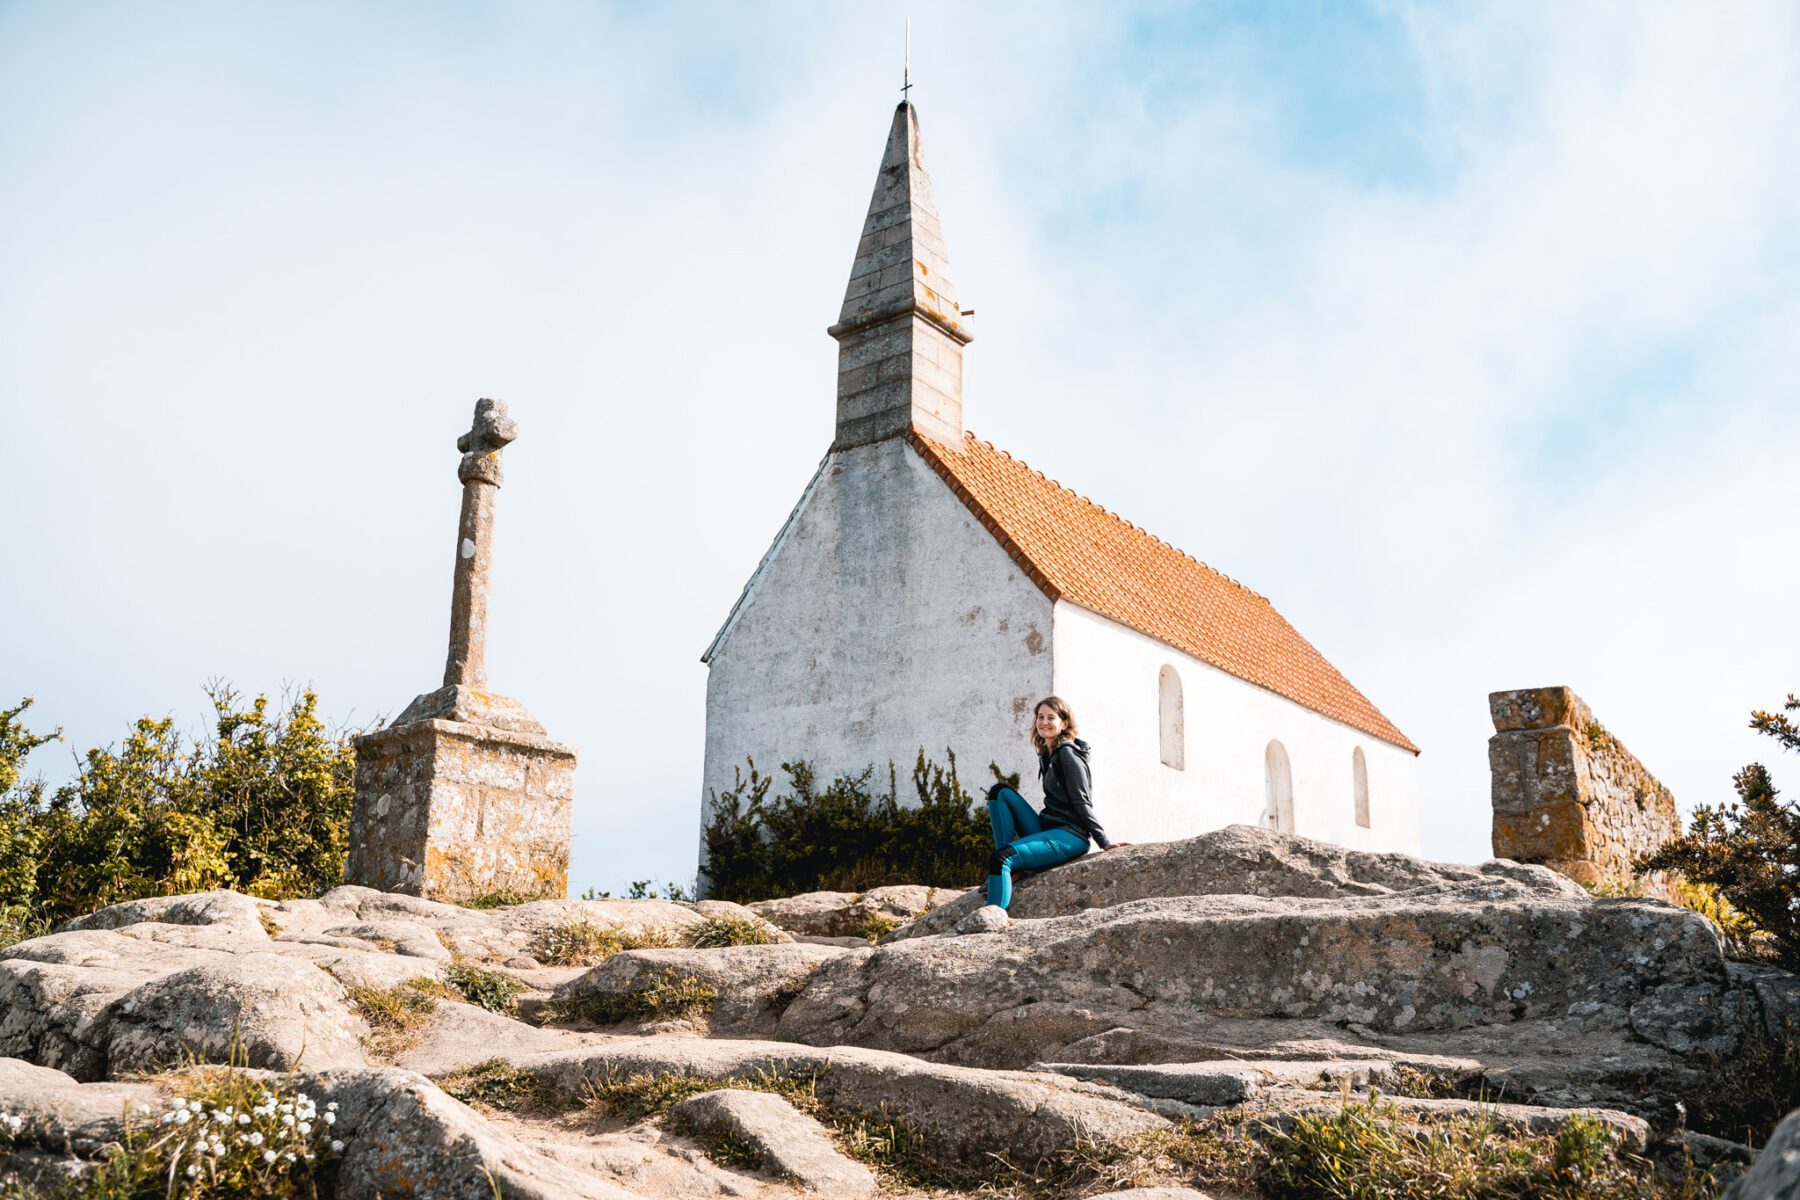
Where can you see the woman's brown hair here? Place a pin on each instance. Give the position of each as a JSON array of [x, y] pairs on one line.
[[1060, 707]]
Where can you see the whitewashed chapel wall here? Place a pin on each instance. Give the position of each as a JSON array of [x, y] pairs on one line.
[[884, 619], [1109, 675]]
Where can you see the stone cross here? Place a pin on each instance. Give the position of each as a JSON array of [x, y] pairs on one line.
[[480, 475]]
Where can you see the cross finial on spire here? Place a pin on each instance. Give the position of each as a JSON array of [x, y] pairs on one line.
[[906, 71]]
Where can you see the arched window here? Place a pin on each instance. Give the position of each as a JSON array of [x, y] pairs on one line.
[[1278, 779], [1170, 719], [1359, 781]]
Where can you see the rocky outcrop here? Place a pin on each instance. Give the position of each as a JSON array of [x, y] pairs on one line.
[[149, 983], [1127, 990], [1436, 959]]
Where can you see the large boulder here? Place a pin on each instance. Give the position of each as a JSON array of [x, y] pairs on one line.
[[1236, 860], [1562, 999], [261, 1010]]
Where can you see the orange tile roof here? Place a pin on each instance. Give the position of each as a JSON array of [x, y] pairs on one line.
[[1077, 551]]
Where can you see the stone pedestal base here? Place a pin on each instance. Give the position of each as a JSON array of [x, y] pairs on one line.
[[450, 810]]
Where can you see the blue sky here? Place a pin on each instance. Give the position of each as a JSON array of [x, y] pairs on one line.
[[1464, 333]]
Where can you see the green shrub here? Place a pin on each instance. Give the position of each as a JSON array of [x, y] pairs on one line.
[[489, 989], [844, 836], [1749, 849], [261, 805]]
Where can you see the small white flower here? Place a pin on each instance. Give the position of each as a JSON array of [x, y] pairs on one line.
[[243, 1118], [143, 1110], [221, 1116], [256, 1139], [305, 1128], [332, 1106], [336, 1145], [331, 1118], [218, 1147], [268, 1156], [287, 1108], [182, 1116], [289, 1156], [193, 1170]]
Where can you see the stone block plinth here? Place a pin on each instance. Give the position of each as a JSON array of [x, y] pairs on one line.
[[1570, 796], [451, 810]]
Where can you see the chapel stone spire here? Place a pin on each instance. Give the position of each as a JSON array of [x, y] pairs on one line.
[[900, 334]]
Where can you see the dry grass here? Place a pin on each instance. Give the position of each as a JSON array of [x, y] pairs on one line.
[[585, 944], [396, 1015]]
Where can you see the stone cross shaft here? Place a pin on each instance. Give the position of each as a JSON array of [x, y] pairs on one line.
[[480, 475]]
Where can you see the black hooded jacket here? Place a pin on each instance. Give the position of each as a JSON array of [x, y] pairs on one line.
[[1069, 792]]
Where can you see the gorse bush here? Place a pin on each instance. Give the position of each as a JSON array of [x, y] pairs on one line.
[[843, 836], [1749, 850], [261, 805]]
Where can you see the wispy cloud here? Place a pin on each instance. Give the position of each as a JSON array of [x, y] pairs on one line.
[[1465, 334]]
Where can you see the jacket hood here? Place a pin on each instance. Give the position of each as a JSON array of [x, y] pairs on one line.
[[1078, 746]]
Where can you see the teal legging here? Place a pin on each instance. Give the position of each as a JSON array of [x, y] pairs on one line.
[[1020, 837]]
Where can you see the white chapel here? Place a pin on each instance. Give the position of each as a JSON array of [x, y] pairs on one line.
[[928, 589]]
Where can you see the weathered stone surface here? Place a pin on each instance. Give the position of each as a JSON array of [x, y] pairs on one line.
[[1236, 860], [753, 983], [785, 1140], [1226, 1081], [851, 914], [1446, 958], [273, 1011], [407, 1138], [961, 1112], [61, 1115], [1775, 1175], [1154, 1193], [1566, 793]]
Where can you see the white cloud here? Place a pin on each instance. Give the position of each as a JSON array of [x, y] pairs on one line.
[[1519, 417]]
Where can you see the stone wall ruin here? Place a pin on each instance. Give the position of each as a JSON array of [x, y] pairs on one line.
[[1569, 795]]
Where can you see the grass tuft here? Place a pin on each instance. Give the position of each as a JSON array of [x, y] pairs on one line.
[[498, 1084], [877, 926], [585, 944], [396, 1015], [668, 997], [715, 932], [489, 989]]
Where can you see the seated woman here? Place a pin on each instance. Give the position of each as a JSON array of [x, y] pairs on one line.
[[1032, 840]]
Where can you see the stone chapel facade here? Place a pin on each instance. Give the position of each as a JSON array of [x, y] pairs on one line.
[[928, 589]]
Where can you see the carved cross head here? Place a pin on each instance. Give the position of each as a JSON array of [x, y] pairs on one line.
[[481, 446]]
